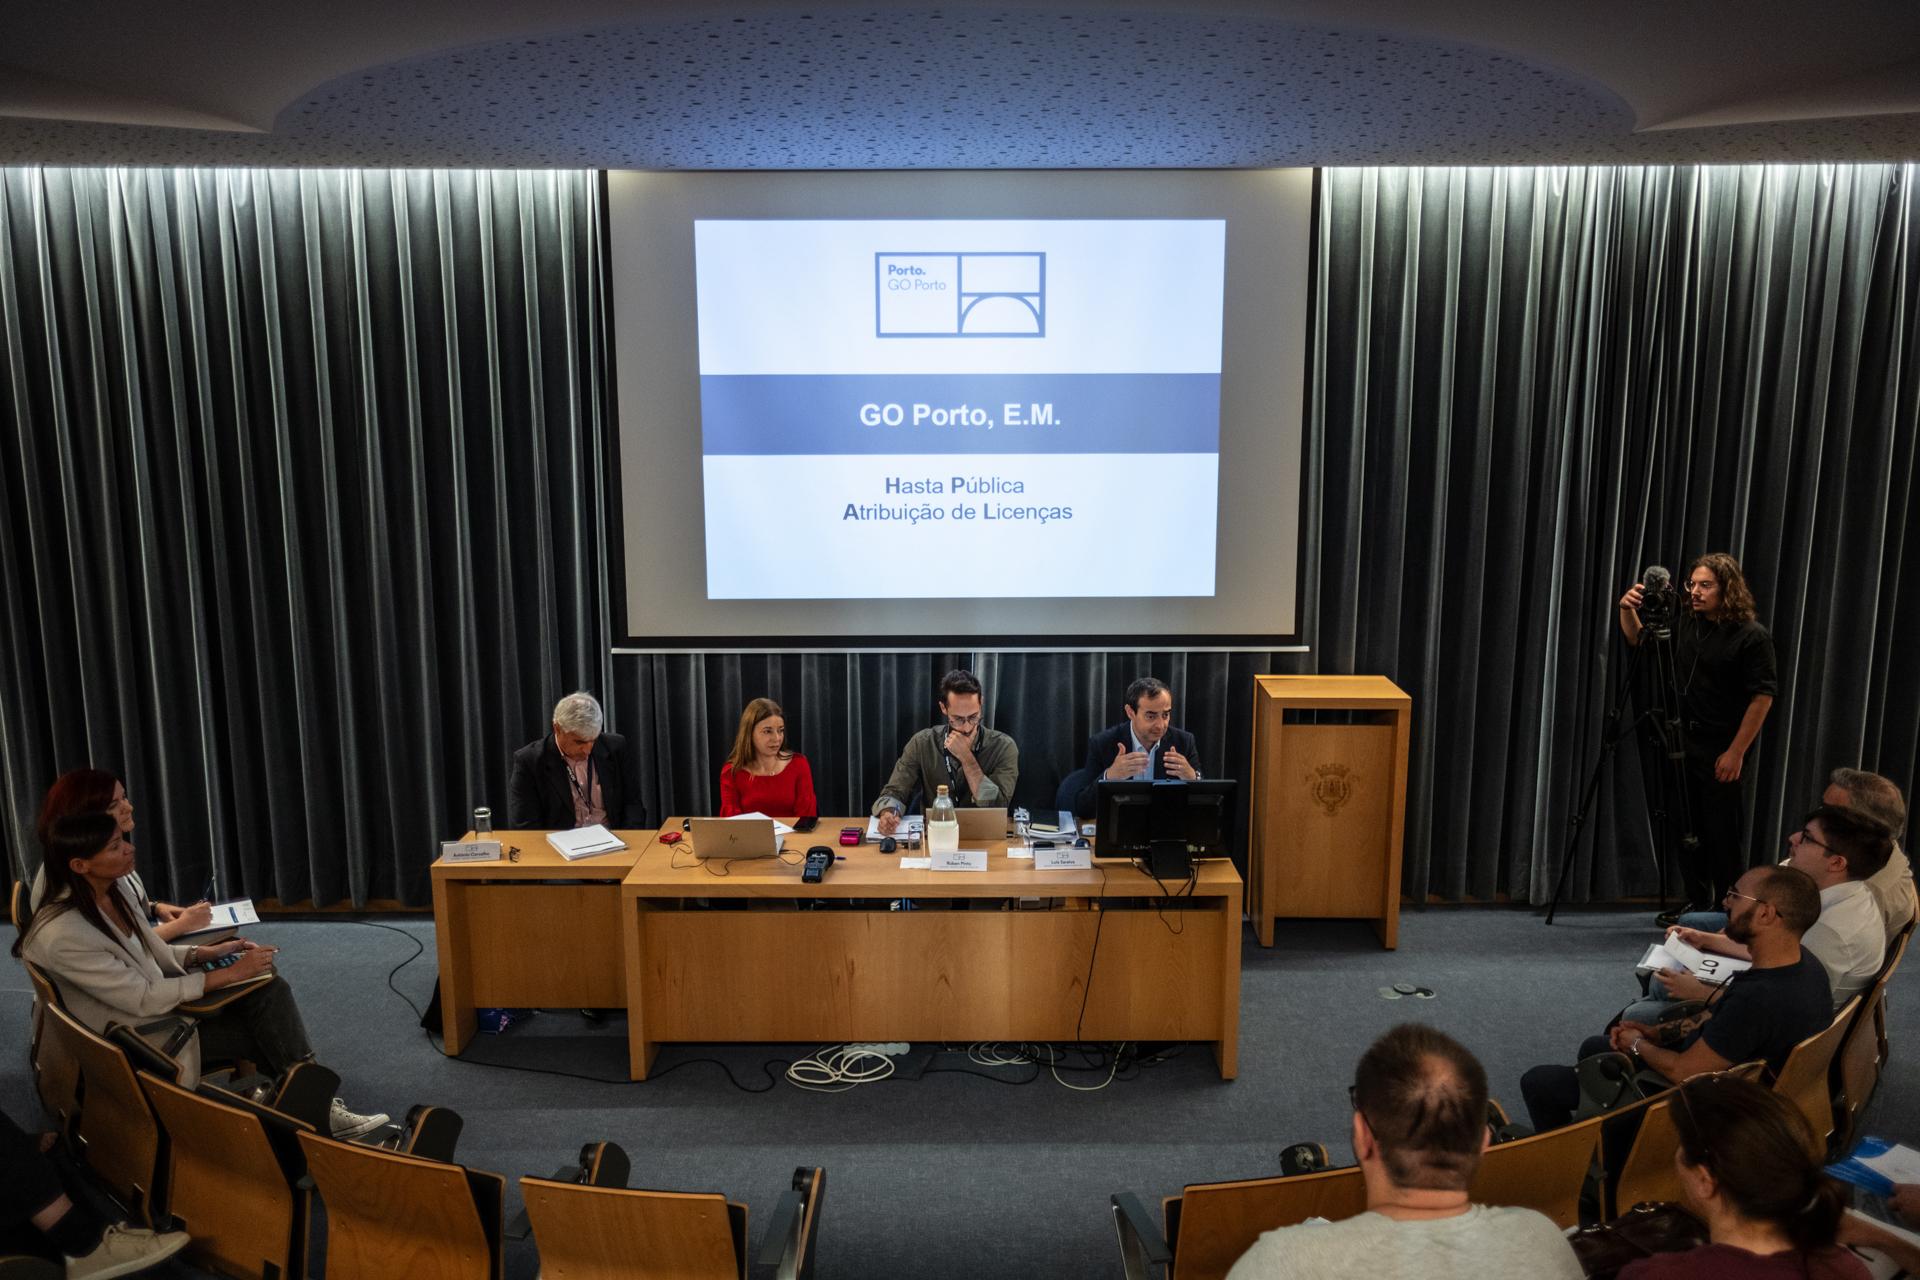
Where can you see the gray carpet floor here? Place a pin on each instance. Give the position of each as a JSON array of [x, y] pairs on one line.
[[958, 1174]]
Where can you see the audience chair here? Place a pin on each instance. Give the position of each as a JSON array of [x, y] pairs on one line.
[[589, 1232], [56, 1062], [1647, 1175], [1546, 1172], [19, 901], [117, 1135], [1803, 1077], [1209, 1225], [397, 1215], [1894, 955], [1862, 1056], [236, 1181]]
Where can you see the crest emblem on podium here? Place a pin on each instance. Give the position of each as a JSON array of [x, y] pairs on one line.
[[1331, 786]]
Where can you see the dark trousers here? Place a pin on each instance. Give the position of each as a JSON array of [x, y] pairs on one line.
[[1552, 1092], [1719, 820], [262, 1026], [29, 1183]]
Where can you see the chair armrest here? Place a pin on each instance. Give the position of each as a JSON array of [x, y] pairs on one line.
[[781, 1240], [1142, 1247]]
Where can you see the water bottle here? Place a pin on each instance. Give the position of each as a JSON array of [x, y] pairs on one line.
[[943, 825]]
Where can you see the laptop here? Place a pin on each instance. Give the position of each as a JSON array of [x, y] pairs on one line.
[[733, 838], [982, 826]]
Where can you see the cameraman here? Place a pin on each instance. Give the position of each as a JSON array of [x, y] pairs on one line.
[[1724, 671]]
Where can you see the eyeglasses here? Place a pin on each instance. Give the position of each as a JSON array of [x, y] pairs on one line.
[[1700, 588], [964, 722], [1734, 893], [1686, 1105], [1806, 837]]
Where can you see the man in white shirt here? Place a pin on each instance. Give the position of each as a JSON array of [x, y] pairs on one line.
[[1841, 848], [1419, 1126], [1880, 799]]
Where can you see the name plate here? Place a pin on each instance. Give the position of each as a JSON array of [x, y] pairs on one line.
[[1061, 857], [959, 860], [470, 851]]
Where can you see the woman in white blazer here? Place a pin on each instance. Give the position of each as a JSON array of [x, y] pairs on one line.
[[88, 790], [111, 967]]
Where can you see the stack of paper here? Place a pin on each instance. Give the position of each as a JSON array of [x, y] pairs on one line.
[[1878, 1165], [1675, 956], [909, 826], [779, 828], [584, 842], [227, 917]]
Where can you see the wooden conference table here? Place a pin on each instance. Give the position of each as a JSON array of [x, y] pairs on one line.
[[650, 928]]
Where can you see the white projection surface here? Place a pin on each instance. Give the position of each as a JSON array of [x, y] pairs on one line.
[[848, 423]]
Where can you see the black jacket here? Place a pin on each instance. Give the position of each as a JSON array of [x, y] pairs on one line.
[[1102, 747], [541, 799]]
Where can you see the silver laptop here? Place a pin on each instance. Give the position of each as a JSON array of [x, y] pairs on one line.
[[982, 826], [733, 838]]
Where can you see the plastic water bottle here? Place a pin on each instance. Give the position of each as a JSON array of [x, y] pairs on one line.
[[943, 825]]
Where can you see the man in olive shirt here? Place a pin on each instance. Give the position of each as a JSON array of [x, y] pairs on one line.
[[977, 765]]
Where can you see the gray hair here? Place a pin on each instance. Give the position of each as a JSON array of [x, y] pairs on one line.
[[579, 714], [1873, 795]]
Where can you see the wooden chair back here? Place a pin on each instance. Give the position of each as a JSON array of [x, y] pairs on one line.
[[228, 1186], [18, 906], [607, 1233], [1803, 1077], [118, 1135], [1647, 1174], [56, 1062], [1211, 1224], [1545, 1172], [1894, 955], [394, 1215], [1855, 1073]]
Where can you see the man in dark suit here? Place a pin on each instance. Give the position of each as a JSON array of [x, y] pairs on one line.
[[1145, 745], [574, 776]]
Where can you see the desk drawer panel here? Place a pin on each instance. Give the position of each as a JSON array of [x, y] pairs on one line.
[[545, 945]]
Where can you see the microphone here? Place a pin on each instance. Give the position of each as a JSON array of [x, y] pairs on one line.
[[1656, 578]]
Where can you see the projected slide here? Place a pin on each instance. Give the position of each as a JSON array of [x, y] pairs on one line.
[[926, 409]]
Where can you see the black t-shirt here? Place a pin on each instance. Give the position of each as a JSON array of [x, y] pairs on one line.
[[1765, 1012], [1721, 668]]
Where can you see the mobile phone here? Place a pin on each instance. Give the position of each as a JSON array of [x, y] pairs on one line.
[[806, 824]]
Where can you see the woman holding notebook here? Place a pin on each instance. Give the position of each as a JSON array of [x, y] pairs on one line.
[[761, 775]]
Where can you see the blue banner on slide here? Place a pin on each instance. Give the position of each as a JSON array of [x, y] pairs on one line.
[[760, 414]]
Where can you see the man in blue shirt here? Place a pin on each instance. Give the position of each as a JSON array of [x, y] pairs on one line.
[[1145, 745]]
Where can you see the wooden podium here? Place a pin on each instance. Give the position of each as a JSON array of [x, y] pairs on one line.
[[1329, 801]]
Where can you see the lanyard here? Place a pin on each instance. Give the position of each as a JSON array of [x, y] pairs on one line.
[[584, 794]]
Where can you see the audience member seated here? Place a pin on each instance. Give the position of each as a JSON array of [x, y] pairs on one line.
[[94, 791], [1419, 1127], [1892, 885], [761, 775], [38, 1218], [978, 766], [1841, 849], [1746, 1165], [111, 967], [1144, 745], [1760, 1014], [573, 776], [1880, 799]]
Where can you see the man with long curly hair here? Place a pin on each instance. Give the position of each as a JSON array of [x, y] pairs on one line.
[[1726, 672]]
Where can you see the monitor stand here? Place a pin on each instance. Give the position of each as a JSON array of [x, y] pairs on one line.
[[1168, 860]]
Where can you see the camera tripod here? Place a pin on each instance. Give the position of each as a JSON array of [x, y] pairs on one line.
[[1669, 804]]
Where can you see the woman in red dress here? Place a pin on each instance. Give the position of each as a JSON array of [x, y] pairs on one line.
[[761, 775]]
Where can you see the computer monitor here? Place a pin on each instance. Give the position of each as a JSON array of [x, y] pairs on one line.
[[1166, 823]]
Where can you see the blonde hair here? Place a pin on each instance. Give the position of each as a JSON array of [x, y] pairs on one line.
[[759, 709]]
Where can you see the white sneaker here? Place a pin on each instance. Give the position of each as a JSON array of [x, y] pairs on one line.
[[348, 1125], [125, 1250]]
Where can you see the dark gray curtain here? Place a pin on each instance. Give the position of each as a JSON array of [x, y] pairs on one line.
[[304, 525], [1529, 384], [302, 505]]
